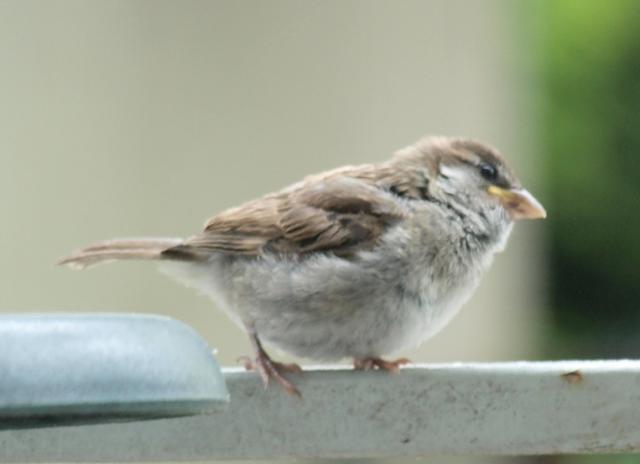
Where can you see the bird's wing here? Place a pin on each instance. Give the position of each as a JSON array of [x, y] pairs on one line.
[[332, 213]]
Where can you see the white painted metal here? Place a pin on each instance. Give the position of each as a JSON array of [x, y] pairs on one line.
[[504, 408]]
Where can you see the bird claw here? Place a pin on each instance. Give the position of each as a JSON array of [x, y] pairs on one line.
[[269, 369], [368, 364]]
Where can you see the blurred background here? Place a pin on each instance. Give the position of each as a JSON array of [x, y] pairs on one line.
[[134, 118]]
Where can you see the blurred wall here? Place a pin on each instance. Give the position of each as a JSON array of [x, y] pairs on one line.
[[134, 118]]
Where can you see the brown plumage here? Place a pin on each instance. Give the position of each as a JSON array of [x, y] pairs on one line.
[[116, 249], [331, 212], [341, 211]]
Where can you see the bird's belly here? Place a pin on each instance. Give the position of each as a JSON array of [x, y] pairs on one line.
[[374, 325], [329, 310]]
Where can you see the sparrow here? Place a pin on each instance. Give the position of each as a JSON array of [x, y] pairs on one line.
[[358, 262]]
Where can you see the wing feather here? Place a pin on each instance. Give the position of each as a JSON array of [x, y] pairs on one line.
[[335, 213]]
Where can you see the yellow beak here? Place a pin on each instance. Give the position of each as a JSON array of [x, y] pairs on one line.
[[519, 203]]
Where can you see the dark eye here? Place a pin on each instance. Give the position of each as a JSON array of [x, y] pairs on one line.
[[488, 171]]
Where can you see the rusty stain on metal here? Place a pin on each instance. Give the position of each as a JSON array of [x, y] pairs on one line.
[[573, 377]]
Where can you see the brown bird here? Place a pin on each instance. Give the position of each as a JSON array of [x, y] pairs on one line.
[[358, 262]]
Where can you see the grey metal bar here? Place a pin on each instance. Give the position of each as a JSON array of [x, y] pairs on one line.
[[500, 409]]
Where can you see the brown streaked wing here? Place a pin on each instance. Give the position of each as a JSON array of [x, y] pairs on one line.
[[339, 213]]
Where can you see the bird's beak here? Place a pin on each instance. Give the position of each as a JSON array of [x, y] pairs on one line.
[[518, 202]]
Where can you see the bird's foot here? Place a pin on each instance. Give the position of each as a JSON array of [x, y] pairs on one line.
[[368, 364], [270, 369]]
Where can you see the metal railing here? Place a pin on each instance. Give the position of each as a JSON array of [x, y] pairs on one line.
[[515, 408]]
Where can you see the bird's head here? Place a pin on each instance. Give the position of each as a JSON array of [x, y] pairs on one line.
[[476, 175]]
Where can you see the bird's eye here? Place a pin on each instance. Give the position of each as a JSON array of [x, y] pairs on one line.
[[488, 171]]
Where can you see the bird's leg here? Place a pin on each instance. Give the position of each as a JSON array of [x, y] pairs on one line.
[[368, 364], [269, 369]]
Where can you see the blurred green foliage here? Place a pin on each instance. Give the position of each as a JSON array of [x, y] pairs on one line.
[[591, 122]]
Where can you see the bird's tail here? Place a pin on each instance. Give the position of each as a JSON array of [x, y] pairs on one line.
[[125, 248]]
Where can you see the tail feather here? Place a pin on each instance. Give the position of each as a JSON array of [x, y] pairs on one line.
[[110, 250]]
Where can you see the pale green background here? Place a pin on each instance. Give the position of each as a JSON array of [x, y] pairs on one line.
[[134, 118]]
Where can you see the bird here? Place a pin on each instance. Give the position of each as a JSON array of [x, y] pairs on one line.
[[360, 262]]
